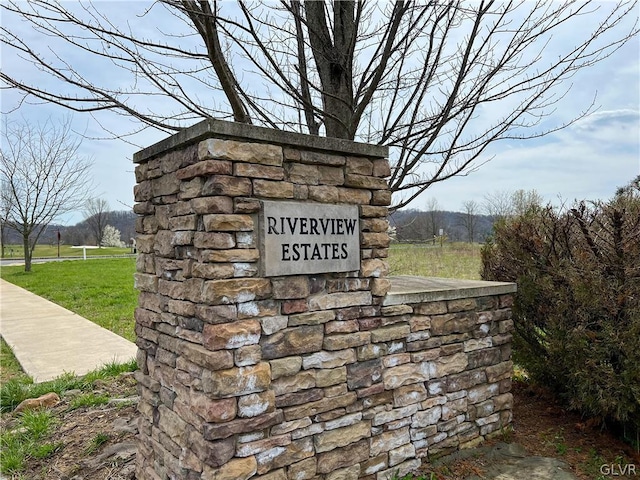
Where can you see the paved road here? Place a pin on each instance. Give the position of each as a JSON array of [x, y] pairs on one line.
[[49, 340]]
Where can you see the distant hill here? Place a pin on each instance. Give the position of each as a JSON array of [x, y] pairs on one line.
[[80, 234], [420, 226]]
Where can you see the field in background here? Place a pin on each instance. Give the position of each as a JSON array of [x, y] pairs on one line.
[[451, 260], [100, 290], [48, 251]]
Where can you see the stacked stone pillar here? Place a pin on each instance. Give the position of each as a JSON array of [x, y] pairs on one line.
[[243, 375]]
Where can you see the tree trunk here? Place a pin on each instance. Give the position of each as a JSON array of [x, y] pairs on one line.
[[334, 60], [27, 252]]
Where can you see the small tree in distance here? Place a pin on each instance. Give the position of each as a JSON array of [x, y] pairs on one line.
[[44, 175], [97, 215], [111, 237]]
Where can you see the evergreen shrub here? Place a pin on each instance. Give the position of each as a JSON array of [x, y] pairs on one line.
[[577, 309]]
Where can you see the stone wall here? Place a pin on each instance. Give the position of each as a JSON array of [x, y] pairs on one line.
[[323, 376]]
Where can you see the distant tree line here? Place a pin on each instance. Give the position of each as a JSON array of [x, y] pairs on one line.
[[81, 233]]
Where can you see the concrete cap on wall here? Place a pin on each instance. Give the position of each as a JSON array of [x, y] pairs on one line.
[[241, 131]]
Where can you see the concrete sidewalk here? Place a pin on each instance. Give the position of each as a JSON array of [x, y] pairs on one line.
[[49, 340]]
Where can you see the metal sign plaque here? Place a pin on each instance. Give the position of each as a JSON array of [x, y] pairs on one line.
[[304, 238]]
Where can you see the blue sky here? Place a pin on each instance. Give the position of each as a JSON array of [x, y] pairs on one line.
[[587, 160]]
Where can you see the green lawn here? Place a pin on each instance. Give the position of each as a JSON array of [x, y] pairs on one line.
[[100, 290], [47, 251], [452, 260]]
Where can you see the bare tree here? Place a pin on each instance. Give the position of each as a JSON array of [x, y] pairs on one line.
[[504, 204], [6, 202], [96, 211], [435, 217], [470, 218], [416, 76], [498, 204], [46, 177]]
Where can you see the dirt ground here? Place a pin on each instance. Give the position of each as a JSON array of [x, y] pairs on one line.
[[541, 425]]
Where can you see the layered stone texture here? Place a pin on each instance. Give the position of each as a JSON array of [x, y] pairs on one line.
[[324, 376]]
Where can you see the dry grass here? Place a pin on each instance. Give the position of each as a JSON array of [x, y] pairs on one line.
[[451, 260]]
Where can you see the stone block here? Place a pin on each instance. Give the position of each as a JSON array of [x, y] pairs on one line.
[[407, 374], [324, 194], [205, 168], [311, 318], [354, 196], [213, 454], [331, 175], [381, 197], [299, 398], [498, 372], [217, 313], [452, 323], [303, 174], [343, 457], [329, 360], [381, 167], [482, 392], [249, 355], [211, 410], [292, 341], [318, 158], [478, 344], [400, 454], [327, 378], [374, 267], [234, 469], [286, 288], [242, 255], [240, 151], [279, 457], [306, 469], [206, 205], [389, 416], [345, 341], [236, 382], [256, 404], [222, 222], [271, 325], [427, 417], [303, 380], [214, 240], [365, 181], [231, 335], [258, 171], [387, 334], [309, 409], [409, 394], [364, 374], [259, 445], [218, 431], [359, 166], [444, 366], [341, 437], [390, 440], [284, 367], [236, 290], [339, 300], [380, 287], [374, 240], [223, 185], [271, 189]]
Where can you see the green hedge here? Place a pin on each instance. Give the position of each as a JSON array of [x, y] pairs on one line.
[[577, 310]]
